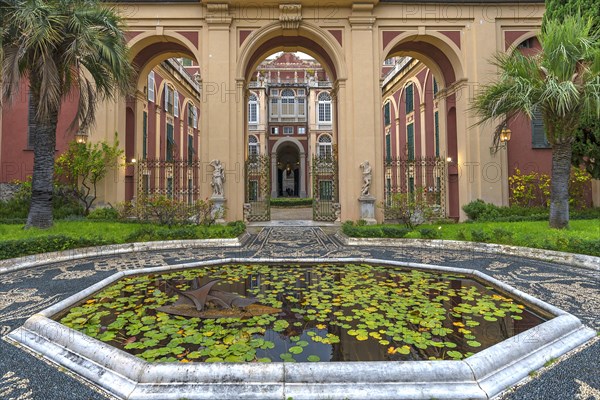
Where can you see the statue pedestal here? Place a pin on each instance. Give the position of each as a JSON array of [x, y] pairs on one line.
[[367, 209], [218, 209]]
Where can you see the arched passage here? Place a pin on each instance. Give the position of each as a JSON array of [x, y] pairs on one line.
[[296, 103], [161, 120], [421, 132]]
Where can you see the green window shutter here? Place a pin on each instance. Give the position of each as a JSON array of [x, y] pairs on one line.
[[144, 135], [388, 147], [409, 99], [410, 141], [538, 133], [435, 86], [387, 120], [436, 125]]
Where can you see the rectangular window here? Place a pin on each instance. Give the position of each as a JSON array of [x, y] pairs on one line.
[[144, 135], [170, 142], [195, 116], [409, 98], [190, 190], [176, 104], [301, 130], [274, 107], [388, 147], [538, 133], [146, 184], [435, 86], [301, 108], [410, 141], [288, 107], [190, 149], [274, 130], [325, 112], [436, 128], [151, 86], [169, 100], [411, 184], [387, 118], [253, 112], [190, 114], [325, 190], [170, 188], [288, 130], [300, 92]]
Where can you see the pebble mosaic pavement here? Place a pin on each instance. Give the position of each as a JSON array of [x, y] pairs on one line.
[[24, 292]]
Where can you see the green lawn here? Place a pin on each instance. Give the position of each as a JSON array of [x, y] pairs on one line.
[[16, 241], [583, 236]]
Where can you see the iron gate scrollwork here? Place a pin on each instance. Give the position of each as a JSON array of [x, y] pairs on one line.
[[258, 189], [425, 175], [325, 188]]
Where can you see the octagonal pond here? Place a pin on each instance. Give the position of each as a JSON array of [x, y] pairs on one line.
[[322, 312]]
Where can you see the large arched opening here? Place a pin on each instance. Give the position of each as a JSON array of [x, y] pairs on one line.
[[290, 87], [419, 121], [162, 139]]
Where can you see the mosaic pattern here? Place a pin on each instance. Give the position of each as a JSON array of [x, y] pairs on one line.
[[25, 292]]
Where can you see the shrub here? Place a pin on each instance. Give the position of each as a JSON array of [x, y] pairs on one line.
[[291, 202], [531, 189], [430, 233], [412, 209], [479, 210], [479, 235], [107, 214], [391, 231]]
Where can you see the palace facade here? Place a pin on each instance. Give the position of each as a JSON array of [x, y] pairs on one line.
[[272, 120]]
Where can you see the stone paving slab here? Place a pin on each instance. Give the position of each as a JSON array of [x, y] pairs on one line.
[[27, 291]]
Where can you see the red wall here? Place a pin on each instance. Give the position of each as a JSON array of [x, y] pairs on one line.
[[15, 158]]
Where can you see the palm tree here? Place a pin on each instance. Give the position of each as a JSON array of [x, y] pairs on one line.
[[63, 48], [563, 83]]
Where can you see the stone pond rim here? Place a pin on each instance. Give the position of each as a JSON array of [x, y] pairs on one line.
[[480, 376]]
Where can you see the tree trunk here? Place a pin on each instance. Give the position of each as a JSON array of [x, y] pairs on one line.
[[559, 190], [42, 184]]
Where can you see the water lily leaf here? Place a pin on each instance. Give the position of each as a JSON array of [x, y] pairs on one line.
[[313, 358], [295, 349], [473, 343], [455, 354]]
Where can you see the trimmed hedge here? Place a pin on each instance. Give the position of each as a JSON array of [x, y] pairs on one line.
[[50, 243], [291, 202], [479, 210], [370, 231]]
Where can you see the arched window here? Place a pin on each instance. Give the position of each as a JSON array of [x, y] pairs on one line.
[[169, 99], [253, 148], [324, 108], [288, 101], [409, 98], [252, 109], [324, 147]]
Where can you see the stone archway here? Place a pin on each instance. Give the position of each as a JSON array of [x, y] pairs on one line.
[[443, 58], [288, 169]]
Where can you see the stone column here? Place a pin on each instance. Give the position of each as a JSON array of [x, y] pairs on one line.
[[302, 174]]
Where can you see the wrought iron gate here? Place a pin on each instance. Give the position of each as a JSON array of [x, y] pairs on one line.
[[426, 176], [176, 179], [257, 205], [325, 188]]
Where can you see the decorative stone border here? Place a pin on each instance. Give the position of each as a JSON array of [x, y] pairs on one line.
[[573, 259], [480, 376], [34, 260]]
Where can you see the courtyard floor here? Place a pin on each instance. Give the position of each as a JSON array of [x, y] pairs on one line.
[[25, 292]]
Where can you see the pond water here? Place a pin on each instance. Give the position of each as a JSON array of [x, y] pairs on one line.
[[328, 312]]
